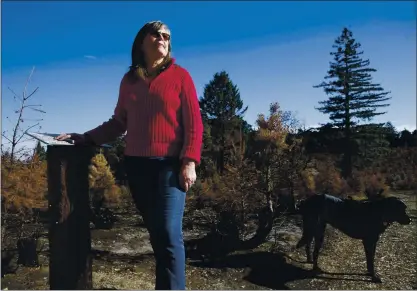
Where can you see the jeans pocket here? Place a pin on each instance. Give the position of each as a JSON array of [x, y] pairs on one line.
[[170, 177]]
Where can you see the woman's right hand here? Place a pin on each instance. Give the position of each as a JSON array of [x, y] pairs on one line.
[[76, 137]]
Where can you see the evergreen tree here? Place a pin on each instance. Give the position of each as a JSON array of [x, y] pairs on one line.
[[391, 134], [40, 151], [353, 95], [408, 139], [222, 111], [115, 158]]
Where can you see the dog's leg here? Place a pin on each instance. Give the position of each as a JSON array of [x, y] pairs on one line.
[[370, 249], [308, 240], [318, 244], [308, 250], [307, 224]]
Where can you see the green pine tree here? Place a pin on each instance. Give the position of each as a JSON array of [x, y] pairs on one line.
[[353, 97], [40, 151], [222, 111]]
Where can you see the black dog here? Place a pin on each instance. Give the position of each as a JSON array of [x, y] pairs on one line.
[[365, 220]]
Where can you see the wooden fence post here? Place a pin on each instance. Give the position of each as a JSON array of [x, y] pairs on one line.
[[70, 260]]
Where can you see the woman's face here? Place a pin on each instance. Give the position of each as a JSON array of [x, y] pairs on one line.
[[156, 43]]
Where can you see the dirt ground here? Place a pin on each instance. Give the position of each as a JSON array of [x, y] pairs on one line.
[[123, 260]]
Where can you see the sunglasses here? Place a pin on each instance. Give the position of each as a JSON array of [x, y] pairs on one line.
[[163, 35]]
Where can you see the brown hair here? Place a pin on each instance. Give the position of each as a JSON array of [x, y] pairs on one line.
[[138, 67]]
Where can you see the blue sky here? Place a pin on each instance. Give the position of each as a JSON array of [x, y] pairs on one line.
[[273, 51]]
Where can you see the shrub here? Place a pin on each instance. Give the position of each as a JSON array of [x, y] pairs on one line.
[[104, 192], [307, 185], [399, 168], [23, 184], [329, 180], [367, 183], [125, 193], [23, 187]]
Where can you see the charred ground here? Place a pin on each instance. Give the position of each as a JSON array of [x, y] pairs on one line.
[[123, 260]]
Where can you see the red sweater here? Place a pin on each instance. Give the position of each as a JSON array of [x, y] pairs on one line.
[[162, 117]]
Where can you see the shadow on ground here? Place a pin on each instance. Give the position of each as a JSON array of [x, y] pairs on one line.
[[270, 270], [6, 262], [265, 269], [341, 274], [109, 256]]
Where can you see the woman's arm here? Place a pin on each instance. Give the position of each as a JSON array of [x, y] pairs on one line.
[[192, 122]]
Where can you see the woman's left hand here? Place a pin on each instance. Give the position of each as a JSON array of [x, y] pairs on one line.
[[187, 174]]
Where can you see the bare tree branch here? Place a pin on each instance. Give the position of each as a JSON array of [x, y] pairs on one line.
[[3, 135], [26, 132], [35, 109], [32, 119], [38, 110], [15, 95], [22, 149], [17, 133], [34, 91], [27, 83]]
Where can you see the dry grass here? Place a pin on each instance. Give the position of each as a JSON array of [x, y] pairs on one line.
[[121, 276], [123, 280]]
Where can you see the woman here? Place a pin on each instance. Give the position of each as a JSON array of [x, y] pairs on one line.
[[159, 109]]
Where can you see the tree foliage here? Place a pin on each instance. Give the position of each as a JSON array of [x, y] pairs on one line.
[[279, 153], [115, 158], [353, 97], [222, 112], [23, 184], [40, 151], [103, 190]]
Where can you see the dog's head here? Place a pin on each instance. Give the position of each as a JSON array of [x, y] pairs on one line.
[[374, 193], [394, 210]]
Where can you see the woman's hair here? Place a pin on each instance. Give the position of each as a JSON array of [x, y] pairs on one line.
[[138, 67]]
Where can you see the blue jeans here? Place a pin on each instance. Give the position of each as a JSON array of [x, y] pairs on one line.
[[154, 185]]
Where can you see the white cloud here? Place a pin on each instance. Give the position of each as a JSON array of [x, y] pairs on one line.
[[409, 127], [90, 57], [398, 127]]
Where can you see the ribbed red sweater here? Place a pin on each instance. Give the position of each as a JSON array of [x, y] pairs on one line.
[[162, 117]]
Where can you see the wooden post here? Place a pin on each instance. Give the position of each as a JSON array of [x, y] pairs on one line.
[[70, 261]]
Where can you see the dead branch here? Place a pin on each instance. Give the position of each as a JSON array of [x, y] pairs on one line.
[[17, 132]]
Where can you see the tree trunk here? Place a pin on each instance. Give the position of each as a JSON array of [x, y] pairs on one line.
[[265, 223]]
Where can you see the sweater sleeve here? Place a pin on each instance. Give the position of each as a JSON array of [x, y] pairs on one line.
[[192, 121], [113, 128]]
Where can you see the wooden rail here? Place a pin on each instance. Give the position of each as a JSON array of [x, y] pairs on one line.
[[70, 260]]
